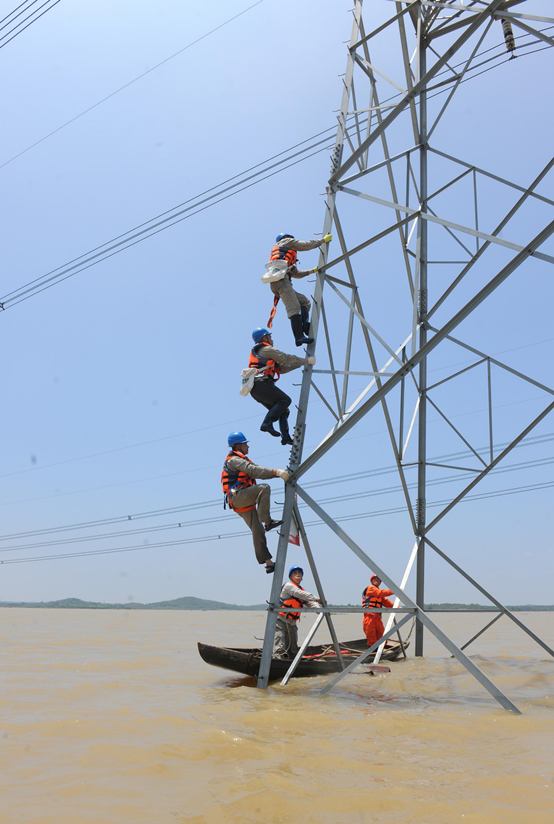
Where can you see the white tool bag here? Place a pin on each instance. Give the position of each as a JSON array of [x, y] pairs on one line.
[[276, 270], [247, 380]]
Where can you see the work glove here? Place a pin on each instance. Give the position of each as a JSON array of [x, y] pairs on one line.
[[314, 270], [311, 360], [282, 473], [328, 238]]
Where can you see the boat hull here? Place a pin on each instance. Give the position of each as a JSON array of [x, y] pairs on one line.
[[247, 660]]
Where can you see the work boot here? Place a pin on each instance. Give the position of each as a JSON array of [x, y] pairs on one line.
[[305, 313], [267, 426], [272, 524], [286, 439], [298, 332]]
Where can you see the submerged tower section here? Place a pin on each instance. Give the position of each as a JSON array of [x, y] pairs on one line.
[[422, 239]]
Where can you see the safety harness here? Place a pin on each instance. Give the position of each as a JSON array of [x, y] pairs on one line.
[[374, 600], [280, 253], [266, 368], [233, 480], [293, 603]]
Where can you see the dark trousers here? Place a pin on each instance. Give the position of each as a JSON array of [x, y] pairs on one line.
[[275, 401]]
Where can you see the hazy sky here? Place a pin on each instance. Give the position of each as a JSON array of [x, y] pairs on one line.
[[121, 383]]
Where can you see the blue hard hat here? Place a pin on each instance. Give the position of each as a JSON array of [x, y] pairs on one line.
[[281, 236], [291, 570], [236, 437], [259, 333]]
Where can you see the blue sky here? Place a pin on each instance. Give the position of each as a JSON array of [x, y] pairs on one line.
[[121, 384]]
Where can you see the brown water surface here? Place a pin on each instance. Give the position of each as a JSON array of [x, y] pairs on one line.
[[111, 717]]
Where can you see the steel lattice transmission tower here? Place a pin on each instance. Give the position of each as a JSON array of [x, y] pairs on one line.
[[436, 227]]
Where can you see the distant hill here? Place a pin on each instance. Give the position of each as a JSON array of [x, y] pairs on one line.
[[177, 603], [189, 602]]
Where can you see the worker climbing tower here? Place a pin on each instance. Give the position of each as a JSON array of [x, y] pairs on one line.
[[422, 239]]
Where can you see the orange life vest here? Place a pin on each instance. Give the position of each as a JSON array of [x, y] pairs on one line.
[[293, 603], [266, 368], [282, 253], [371, 601], [233, 480]]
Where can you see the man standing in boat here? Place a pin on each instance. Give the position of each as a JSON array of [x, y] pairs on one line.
[[243, 494], [292, 596], [372, 596]]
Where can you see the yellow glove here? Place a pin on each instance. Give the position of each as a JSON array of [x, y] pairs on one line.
[[314, 270], [328, 238]]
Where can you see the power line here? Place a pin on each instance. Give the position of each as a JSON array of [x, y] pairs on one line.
[[34, 17], [535, 441], [337, 499], [205, 538], [161, 222], [13, 14], [130, 83], [170, 218], [180, 51], [217, 425]]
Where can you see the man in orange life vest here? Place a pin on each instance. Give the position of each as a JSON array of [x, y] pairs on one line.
[[372, 596], [270, 363], [243, 494], [293, 596], [296, 304]]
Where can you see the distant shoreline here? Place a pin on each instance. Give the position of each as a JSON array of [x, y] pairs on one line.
[[191, 603]]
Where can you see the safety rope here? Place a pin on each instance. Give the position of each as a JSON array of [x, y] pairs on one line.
[[273, 311]]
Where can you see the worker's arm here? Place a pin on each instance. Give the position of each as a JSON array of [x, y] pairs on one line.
[[286, 362], [386, 602], [386, 592], [262, 473], [300, 245], [290, 590], [294, 272]]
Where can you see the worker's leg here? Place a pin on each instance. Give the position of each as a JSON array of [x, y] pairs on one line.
[[259, 495], [293, 649], [286, 439], [373, 627], [293, 302], [305, 304], [264, 500], [305, 312], [274, 399], [258, 535], [369, 628], [291, 299], [281, 642]]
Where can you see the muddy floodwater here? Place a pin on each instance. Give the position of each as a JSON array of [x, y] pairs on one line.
[[111, 717]]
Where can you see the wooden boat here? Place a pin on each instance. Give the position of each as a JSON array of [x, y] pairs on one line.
[[317, 660]]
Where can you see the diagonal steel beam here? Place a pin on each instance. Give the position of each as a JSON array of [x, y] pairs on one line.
[[490, 466], [458, 433], [446, 28], [447, 224], [490, 597], [371, 353], [317, 580], [416, 89], [496, 362], [480, 676], [446, 330], [365, 654], [526, 193]]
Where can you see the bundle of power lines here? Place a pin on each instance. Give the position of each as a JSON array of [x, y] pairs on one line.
[[88, 525]]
